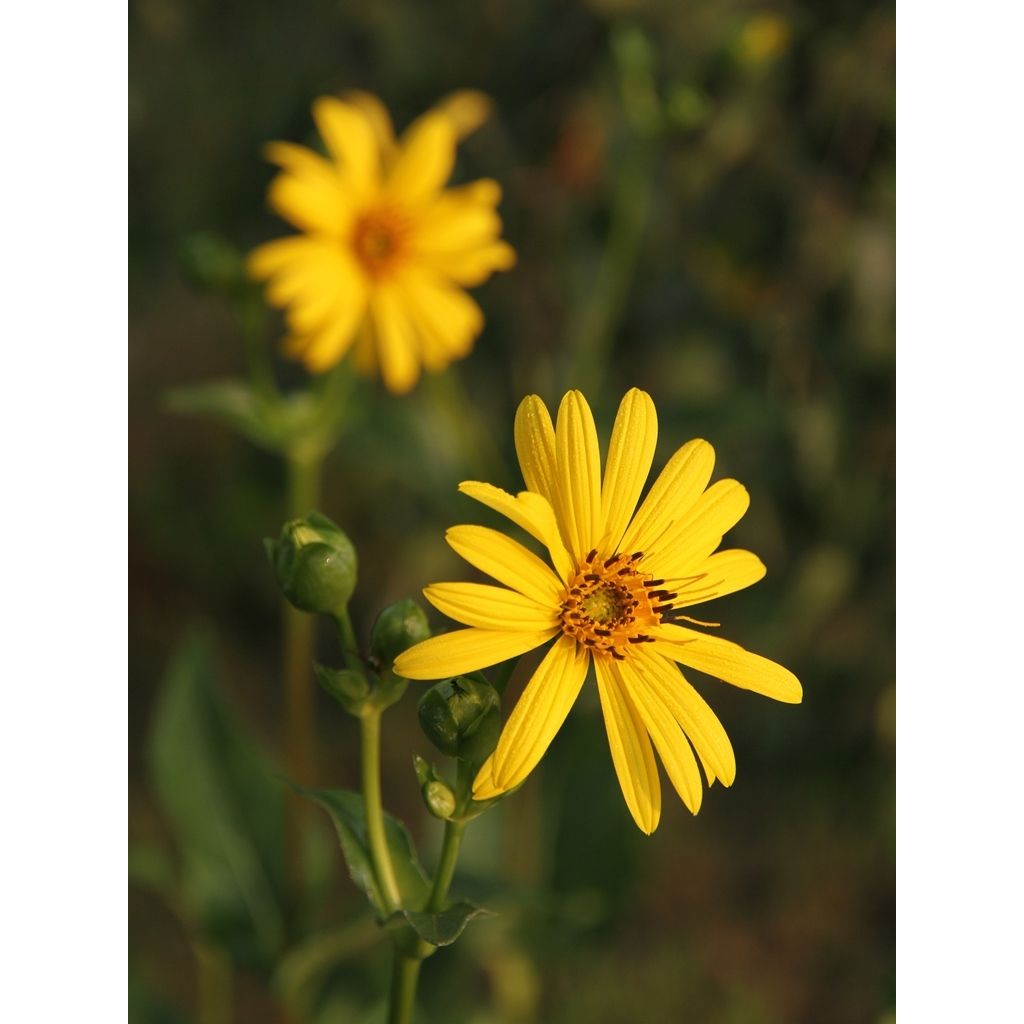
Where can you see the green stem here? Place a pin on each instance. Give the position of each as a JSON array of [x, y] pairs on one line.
[[404, 975], [446, 868], [347, 639], [300, 693], [383, 869]]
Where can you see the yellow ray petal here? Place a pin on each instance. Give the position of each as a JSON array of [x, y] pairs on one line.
[[397, 345], [723, 573], [450, 224], [311, 204], [697, 533], [487, 607], [535, 447], [328, 346], [467, 109], [537, 716], [506, 561], [474, 266], [672, 746], [578, 464], [727, 661], [277, 256], [349, 137], [678, 486], [528, 510], [691, 712], [466, 650], [446, 317], [424, 162], [631, 750], [634, 438], [378, 118]]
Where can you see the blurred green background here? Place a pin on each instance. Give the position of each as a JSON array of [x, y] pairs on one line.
[[749, 287]]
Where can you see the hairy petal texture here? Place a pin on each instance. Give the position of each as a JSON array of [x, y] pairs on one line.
[[507, 561], [466, 650], [631, 750], [677, 487], [487, 607], [528, 510], [578, 468], [634, 438], [727, 661], [536, 718], [670, 742]]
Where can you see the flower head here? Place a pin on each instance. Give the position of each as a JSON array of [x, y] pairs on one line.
[[385, 249], [621, 581]]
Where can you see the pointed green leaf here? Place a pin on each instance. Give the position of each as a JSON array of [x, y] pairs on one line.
[[346, 811], [444, 927]]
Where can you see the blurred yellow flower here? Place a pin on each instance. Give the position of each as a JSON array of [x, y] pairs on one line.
[[386, 250], [622, 577]]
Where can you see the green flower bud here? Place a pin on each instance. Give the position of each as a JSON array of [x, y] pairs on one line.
[[439, 798], [453, 711], [397, 628], [315, 564], [350, 689]]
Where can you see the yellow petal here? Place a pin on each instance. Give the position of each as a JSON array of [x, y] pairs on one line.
[[397, 345], [507, 561], [678, 486], [538, 715], [311, 204], [349, 137], [274, 257], [727, 661], [378, 118], [446, 318], [691, 712], [474, 266], [528, 510], [723, 573], [672, 746], [467, 109], [535, 447], [699, 531], [487, 607], [466, 650], [425, 159], [578, 461], [454, 224], [328, 346], [634, 438], [631, 750]]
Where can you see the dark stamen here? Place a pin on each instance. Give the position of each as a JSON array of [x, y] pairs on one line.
[[592, 555]]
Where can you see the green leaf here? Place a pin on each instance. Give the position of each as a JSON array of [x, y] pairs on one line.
[[444, 927], [346, 811], [225, 807], [236, 405]]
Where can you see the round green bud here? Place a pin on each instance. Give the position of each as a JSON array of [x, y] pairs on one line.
[[451, 713], [315, 564], [439, 798], [397, 628]]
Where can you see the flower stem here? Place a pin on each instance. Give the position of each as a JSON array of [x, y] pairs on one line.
[[383, 869], [404, 975], [300, 735], [446, 868]]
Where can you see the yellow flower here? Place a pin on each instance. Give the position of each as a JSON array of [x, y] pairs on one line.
[[615, 598], [386, 250]]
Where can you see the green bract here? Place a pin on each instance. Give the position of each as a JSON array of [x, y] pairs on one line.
[[315, 564], [397, 628]]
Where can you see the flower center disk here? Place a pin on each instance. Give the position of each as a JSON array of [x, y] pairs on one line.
[[379, 239], [610, 604]]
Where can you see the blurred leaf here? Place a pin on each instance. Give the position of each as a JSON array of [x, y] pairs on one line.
[[346, 811], [236, 405], [152, 867], [444, 927], [224, 806]]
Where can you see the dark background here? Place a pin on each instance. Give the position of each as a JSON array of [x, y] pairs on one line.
[[759, 314]]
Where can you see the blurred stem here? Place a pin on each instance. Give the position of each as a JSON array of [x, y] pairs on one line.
[[300, 731], [404, 975], [369, 726], [252, 318], [603, 305], [446, 868], [216, 985]]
